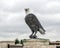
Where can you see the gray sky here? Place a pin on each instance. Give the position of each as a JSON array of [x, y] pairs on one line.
[[12, 24]]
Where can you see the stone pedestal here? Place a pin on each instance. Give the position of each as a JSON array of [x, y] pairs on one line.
[[36, 43]]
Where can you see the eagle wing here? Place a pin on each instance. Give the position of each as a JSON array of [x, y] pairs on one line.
[[34, 20]]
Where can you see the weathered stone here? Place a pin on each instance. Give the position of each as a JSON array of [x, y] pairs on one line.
[[36, 43]]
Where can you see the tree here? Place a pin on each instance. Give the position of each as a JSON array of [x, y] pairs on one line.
[[21, 42], [16, 41]]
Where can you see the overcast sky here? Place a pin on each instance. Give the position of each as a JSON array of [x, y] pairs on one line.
[[12, 23]]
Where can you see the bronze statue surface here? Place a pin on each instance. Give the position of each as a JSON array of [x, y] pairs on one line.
[[34, 24]]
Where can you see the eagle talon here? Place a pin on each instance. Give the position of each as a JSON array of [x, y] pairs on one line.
[[34, 36], [31, 36]]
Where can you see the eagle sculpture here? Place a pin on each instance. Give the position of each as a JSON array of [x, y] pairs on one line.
[[34, 24]]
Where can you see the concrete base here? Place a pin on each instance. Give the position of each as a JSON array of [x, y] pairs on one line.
[[36, 43]]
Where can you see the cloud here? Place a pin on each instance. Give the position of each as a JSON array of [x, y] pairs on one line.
[[12, 23]]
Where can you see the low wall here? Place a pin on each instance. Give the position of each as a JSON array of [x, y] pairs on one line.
[[15, 46]]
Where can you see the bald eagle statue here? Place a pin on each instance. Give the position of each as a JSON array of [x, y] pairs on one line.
[[32, 21]]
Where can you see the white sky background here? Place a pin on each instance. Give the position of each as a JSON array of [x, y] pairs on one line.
[[12, 24]]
